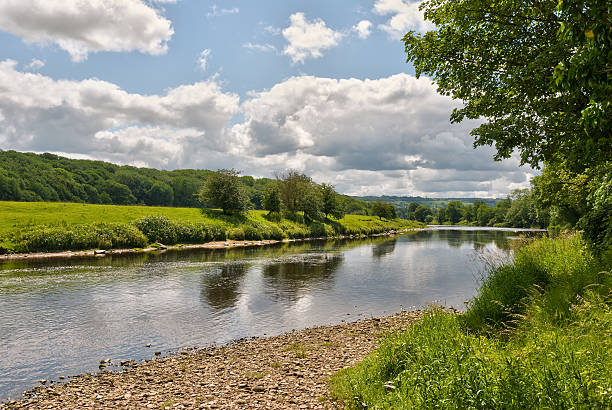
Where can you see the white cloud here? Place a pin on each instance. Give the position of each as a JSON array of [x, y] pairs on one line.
[[363, 29], [395, 131], [216, 11], [203, 59], [98, 118], [307, 39], [275, 31], [266, 48], [35, 65], [81, 27], [389, 135], [405, 16]]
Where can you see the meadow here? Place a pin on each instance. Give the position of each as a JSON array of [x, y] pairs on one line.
[[537, 335], [50, 226]]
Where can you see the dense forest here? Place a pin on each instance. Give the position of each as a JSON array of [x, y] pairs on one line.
[[30, 177]]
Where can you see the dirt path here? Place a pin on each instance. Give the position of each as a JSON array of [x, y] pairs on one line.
[[286, 371]]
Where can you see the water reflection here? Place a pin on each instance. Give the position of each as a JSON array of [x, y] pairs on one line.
[[387, 247], [221, 288], [54, 311], [289, 278]]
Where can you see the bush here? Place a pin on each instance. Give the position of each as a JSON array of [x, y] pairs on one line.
[[158, 229], [81, 237]]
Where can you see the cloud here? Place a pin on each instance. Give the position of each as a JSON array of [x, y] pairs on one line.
[[307, 39], [275, 31], [35, 65], [217, 12], [203, 59], [394, 129], [405, 16], [98, 118], [266, 48], [389, 135], [83, 27], [363, 29]]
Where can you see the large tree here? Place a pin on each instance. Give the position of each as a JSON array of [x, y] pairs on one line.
[[538, 73]]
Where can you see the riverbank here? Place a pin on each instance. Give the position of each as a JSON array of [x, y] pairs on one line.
[[28, 228], [283, 372], [161, 247], [537, 335]]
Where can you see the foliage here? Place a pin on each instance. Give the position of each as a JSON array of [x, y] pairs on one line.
[[331, 202], [540, 75], [384, 210], [271, 200], [509, 62], [552, 352], [100, 236], [224, 190], [293, 187]]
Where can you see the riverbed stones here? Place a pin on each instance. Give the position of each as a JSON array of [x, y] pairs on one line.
[[289, 371]]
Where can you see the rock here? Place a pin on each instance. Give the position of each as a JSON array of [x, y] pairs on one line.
[[148, 345], [157, 353], [43, 381]]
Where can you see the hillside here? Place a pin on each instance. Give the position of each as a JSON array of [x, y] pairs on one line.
[[29, 177]]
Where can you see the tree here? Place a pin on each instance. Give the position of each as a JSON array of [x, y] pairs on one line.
[[384, 210], [271, 199], [539, 74], [422, 213], [119, 193], [331, 202], [543, 87], [160, 193], [224, 190], [454, 211], [293, 188]]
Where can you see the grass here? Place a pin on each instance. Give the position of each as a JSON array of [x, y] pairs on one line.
[[44, 226], [537, 335]]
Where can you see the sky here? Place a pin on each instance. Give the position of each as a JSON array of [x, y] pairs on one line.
[[321, 86]]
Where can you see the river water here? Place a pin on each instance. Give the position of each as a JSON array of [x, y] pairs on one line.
[[61, 317]]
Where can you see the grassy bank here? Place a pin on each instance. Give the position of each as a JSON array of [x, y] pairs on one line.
[[537, 335], [48, 227]]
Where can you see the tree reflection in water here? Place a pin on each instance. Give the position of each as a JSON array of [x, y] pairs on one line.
[[288, 278], [221, 288], [385, 248]]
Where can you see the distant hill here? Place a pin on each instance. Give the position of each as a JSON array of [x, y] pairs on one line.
[[404, 201]]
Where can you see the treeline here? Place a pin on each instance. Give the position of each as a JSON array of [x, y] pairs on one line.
[[292, 194], [29, 177], [520, 209]]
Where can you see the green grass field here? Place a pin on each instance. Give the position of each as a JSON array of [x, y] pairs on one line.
[[48, 226]]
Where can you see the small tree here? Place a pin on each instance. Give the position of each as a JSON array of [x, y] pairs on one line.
[[271, 199], [384, 210], [331, 202], [223, 189]]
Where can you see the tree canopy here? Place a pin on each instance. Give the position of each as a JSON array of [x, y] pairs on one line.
[[537, 71], [223, 189]]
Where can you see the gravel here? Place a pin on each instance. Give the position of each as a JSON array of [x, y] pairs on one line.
[[289, 371]]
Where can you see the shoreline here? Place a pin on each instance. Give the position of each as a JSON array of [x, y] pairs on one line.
[[285, 371], [208, 245]]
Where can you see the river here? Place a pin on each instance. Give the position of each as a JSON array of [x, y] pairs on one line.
[[61, 317]]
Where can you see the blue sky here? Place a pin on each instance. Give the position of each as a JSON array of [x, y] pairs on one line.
[[321, 86]]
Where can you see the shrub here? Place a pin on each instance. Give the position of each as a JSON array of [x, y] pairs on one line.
[[158, 229]]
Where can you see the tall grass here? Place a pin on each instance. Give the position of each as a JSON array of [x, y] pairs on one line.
[[537, 335]]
